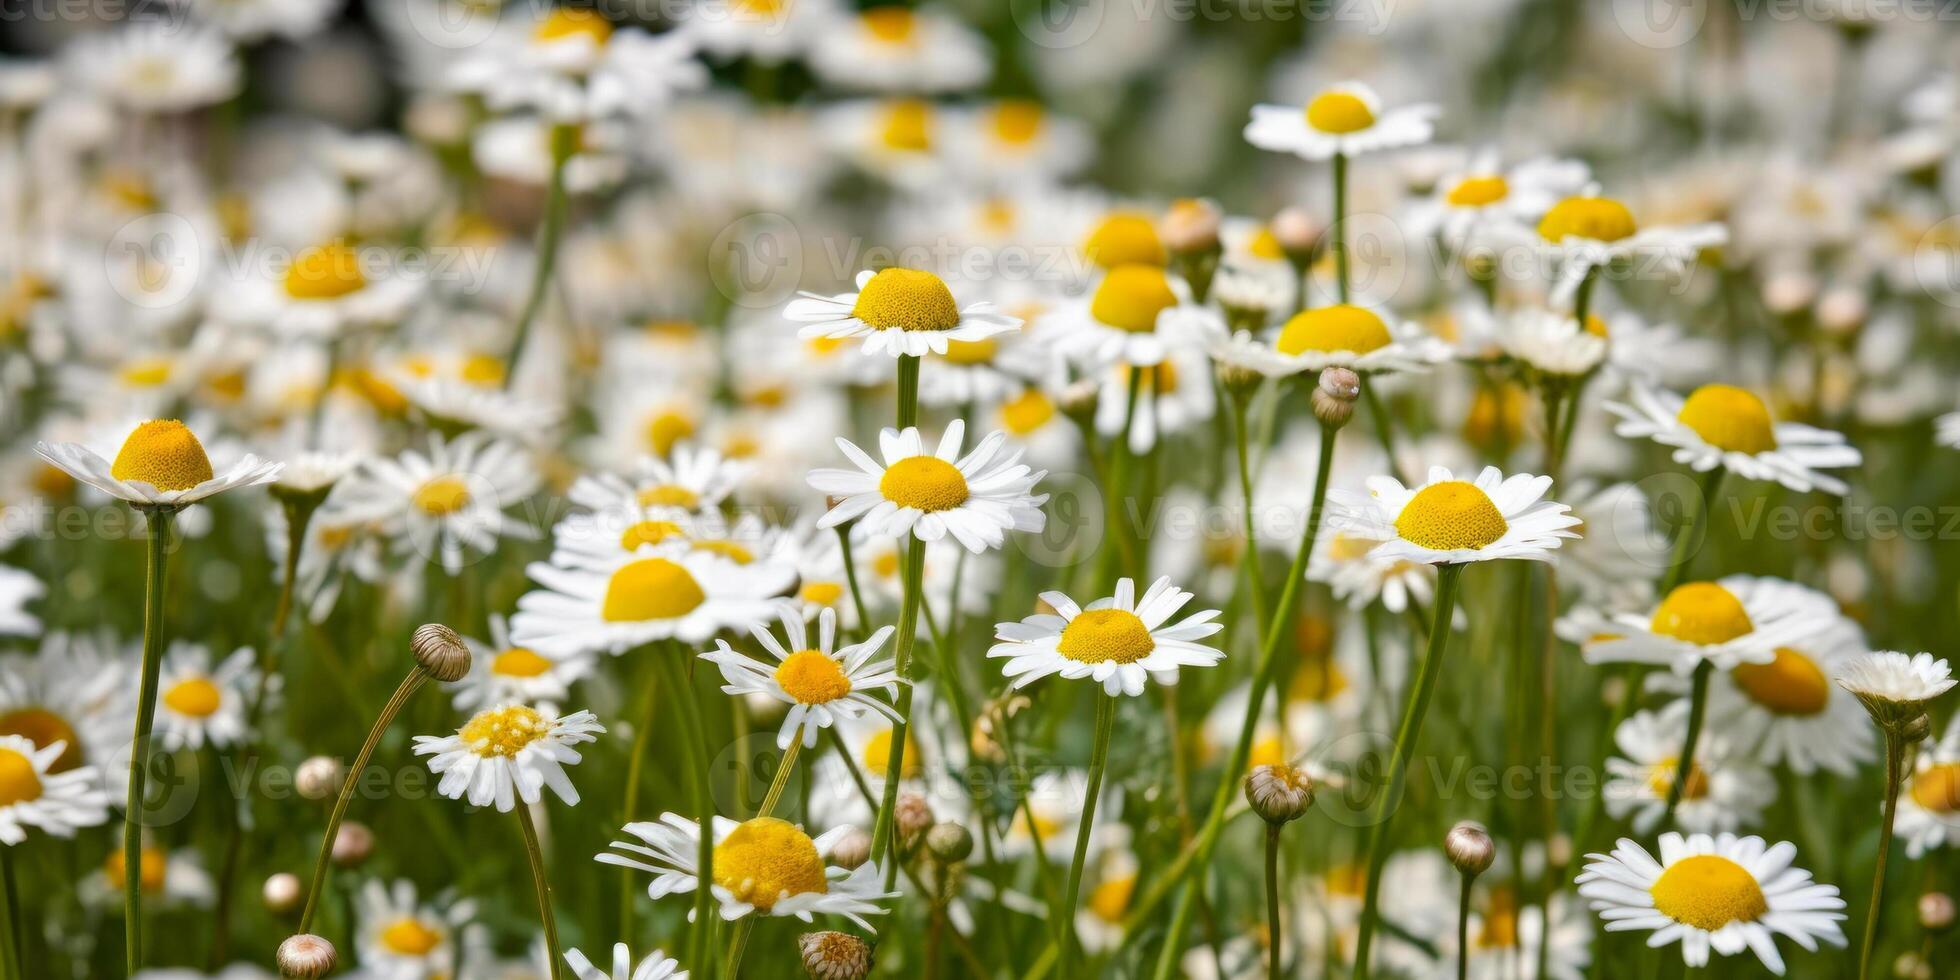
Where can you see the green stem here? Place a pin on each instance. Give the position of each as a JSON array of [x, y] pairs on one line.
[[882, 848], [1254, 584], [1337, 235], [139, 749], [543, 886], [1119, 459], [1384, 429], [1405, 746], [564, 143], [634, 765], [1684, 766], [1098, 759], [694, 759], [783, 770], [9, 917], [737, 945], [323, 864], [1894, 764], [1273, 934], [851, 577], [908, 391], [1463, 931]]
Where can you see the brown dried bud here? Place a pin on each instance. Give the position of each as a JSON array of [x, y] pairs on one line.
[[352, 845], [440, 652], [834, 955], [851, 850], [1278, 793], [949, 842], [305, 957], [318, 778], [282, 893], [1936, 911], [912, 820], [1333, 398], [1469, 848]]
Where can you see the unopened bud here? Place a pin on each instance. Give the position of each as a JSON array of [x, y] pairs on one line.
[[1078, 401], [1238, 380], [1297, 232], [1917, 730], [281, 893], [1333, 398], [318, 777], [1278, 793], [1936, 911], [305, 957], [834, 955], [1912, 966], [1469, 848], [913, 819], [949, 842], [440, 652], [1842, 310], [1191, 225], [352, 845], [851, 850]]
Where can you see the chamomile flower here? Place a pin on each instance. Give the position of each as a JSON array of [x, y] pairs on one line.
[[1722, 790], [670, 591], [520, 149], [1346, 119], [1614, 559], [1449, 520], [75, 691], [503, 672], [156, 66], [769, 31], [1118, 642], [169, 879], [1175, 396], [976, 498], [572, 65], [34, 793], [1504, 938], [1929, 802], [1586, 230], [901, 312], [1100, 920], [323, 291], [161, 464], [199, 705], [17, 589], [820, 683], [1740, 619], [896, 48], [1485, 197], [1346, 563], [1344, 335], [762, 866], [1134, 316], [1552, 342], [1893, 686], [1018, 139], [509, 753], [399, 935], [1055, 797], [1730, 427], [1724, 893], [654, 966], [447, 502]]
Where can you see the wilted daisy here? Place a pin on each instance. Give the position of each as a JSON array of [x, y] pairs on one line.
[[161, 463], [1343, 335], [509, 753], [976, 498], [897, 48], [447, 502], [1929, 802], [1895, 687], [901, 312], [818, 684], [503, 672], [1726, 426], [1448, 520], [1740, 619], [654, 966], [1118, 642], [669, 592], [198, 705], [1725, 893], [764, 865], [1346, 119], [400, 935], [1723, 788], [34, 793]]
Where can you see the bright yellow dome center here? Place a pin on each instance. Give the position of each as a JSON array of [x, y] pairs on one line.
[[1661, 778], [1730, 419], [812, 677], [152, 865], [1601, 219], [908, 126], [821, 593], [669, 495], [442, 496], [1476, 192], [44, 728], [519, 662], [1016, 122], [569, 22], [1111, 898], [163, 453], [647, 532], [19, 782], [1596, 326], [197, 697], [1702, 613], [1500, 925], [1708, 892], [1937, 788], [1342, 327], [766, 859], [147, 372], [734, 551], [1106, 635], [1125, 238], [651, 588], [892, 25], [1026, 412], [906, 299], [322, 272], [1451, 516], [927, 483], [878, 750], [971, 351], [1130, 297], [1792, 684], [1339, 112], [504, 731], [409, 937], [665, 428]]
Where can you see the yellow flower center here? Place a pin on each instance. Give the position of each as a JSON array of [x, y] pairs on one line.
[[1450, 516], [519, 662], [1318, 680], [1661, 778], [1125, 238], [44, 728], [504, 731], [821, 593], [1708, 892], [1701, 613], [908, 126], [1026, 412], [927, 483], [152, 863], [1016, 121], [1596, 326], [1265, 245], [1730, 419], [482, 370], [1601, 219], [669, 495], [971, 351], [665, 428], [1104, 635], [1130, 297], [1349, 880], [1339, 112], [327, 271], [731, 550], [647, 532], [892, 25], [885, 565], [878, 750], [163, 453], [410, 937], [812, 677], [651, 588], [766, 859], [197, 697], [1111, 898], [1341, 327], [1938, 788], [147, 372], [1475, 192], [19, 783], [442, 496], [569, 22], [1792, 684], [906, 299], [1500, 926]]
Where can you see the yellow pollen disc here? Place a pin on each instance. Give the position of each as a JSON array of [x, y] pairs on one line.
[[1500, 927], [766, 859], [651, 588], [44, 728], [1596, 326], [908, 126], [1125, 238], [1708, 892], [1496, 416], [1661, 780], [727, 549], [906, 299], [811, 677], [519, 662], [1451, 516], [1938, 788], [1792, 684], [1268, 751], [669, 495], [1016, 121], [1730, 419], [878, 750], [1339, 112], [503, 731], [892, 25], [821, 593], [927, 483], [163, 453], [152, 865], [1702, 613], [1130, 297], [1475, 192], [1341, 327], [885, 565], [647, 532], [409, 937], [1348, 547], [1601, 219], [1349, 880], [197, 697], [665, 428], [1265, 245], [1111, 898], [482, 370], [971, 351], [1105, 635], [327, 271], [147, 372], [442, 496], [568, 22], [19, 783]]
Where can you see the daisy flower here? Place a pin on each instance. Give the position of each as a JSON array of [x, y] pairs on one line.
[[524, 149], [896, 48], [324, 291], [1055, 797], [509, 753], [156, 66], [1929, 802], [572, 65], [73, 692], [1099, 923], [17, 589], [1448, 520], [1740, 619], [1485, 196], [768, 31], [1118, 642], [1343, 335], [1018, 139], [198, 705], [1135, 315], [1724, 892], [1346, 563], [398, 935], [1176, 395], [631, 598], [447, 502], [1504, 938], [976, 498], [1723, 789], [161, 464], [901, 312], [34, 793], [818, 684], [503, 672], [1721, 425], [1586, 230], [765, 865], [1552, 342], [1895, 687], [687, 478], [1346, 119], [169, 879], [654, 966]]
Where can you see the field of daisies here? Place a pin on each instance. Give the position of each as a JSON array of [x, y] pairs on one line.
[[644, 489]]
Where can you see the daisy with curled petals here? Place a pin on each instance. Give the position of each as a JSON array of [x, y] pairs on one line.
[[1740, 619], [654, 966], [199, 705], [671, 591], [976, 498], [901, 312], [1729, 427], [161, 465], [1723, 789], [509, 753], [1450, 521], [1929, 806], [762, 866], [1345, 119], [34, 793], [1725, 893], [1343, 335], [818, 684], [1118, 642], [448, 502]]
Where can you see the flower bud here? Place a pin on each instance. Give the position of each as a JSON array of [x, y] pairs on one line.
[[282, 893], [440, 652], [1191, 225], [318, 778], [352, 845], [1238, 380], [1911, 966], [1469, 848], [950, 843], [1842, 310], [1333, 397], [1078, 401], [1917, 730], [305, 957], [1278, 793], [913, 819], [1297, 232], [1936, 911], [851, 850], [834, 955]]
